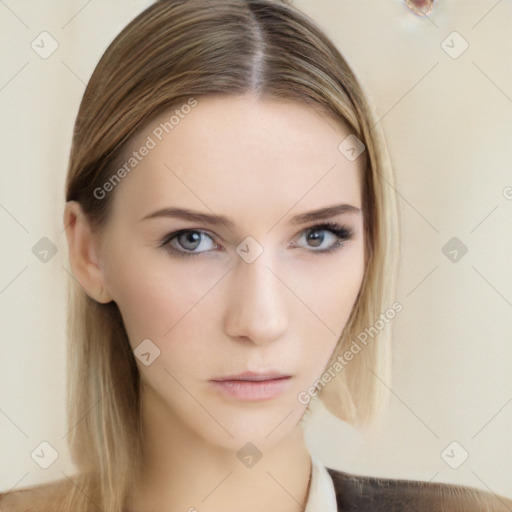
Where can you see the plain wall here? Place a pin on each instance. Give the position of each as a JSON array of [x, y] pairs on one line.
[[447, 117]]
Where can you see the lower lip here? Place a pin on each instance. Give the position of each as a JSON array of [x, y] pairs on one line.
[[253, 390]]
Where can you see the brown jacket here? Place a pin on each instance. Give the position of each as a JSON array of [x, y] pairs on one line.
[[370, 494]]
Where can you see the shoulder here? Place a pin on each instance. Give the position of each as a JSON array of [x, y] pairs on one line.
[[357, 493], [35, 498]]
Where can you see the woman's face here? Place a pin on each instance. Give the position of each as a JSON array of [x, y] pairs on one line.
[[265, 292]]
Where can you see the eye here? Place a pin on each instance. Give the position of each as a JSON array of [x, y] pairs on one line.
[[186, 241], [330, 236]]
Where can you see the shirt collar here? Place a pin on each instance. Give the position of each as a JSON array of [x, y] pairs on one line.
[[322, 496]]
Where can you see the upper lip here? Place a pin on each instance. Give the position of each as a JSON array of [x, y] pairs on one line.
[[254, 376]]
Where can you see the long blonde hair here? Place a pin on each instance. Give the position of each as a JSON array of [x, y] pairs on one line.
[[174, 50]]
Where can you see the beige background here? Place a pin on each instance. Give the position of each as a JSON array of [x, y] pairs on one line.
[[448, 123]]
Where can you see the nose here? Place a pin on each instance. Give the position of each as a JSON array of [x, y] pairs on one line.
[[256, 308]]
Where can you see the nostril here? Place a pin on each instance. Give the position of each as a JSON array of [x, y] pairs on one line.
[[420, 7]]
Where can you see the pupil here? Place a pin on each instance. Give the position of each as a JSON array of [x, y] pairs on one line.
[[317, 238], [193, 238]]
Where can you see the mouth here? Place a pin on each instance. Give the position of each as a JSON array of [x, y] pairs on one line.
[[252, 386]]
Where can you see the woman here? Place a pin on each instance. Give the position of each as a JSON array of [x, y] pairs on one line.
[[231, 228]]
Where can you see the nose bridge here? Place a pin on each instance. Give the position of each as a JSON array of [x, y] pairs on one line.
[[256, 304]]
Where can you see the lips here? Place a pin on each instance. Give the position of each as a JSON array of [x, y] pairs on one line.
[[252, 386], [253, 376]]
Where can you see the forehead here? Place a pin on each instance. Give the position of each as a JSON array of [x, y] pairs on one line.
[[239, 154]]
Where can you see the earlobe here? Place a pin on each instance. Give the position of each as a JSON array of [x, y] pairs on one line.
[[83, 258]]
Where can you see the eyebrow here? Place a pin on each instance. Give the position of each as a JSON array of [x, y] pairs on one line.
[[215, 220]]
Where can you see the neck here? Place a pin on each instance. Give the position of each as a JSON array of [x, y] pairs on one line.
[[182, 471]]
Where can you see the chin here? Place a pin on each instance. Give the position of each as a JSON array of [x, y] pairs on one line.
[[263, 424]]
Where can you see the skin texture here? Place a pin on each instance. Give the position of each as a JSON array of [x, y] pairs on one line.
[[259, 163]]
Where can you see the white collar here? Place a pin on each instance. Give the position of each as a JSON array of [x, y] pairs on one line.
[[322, 496]]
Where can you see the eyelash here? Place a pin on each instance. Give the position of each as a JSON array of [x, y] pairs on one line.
[[343, 234]]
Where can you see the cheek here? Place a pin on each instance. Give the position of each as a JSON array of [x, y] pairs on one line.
[[330, 288], [328, 292], [156, 295]]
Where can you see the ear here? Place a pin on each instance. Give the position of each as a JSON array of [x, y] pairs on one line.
[[83, 253]]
